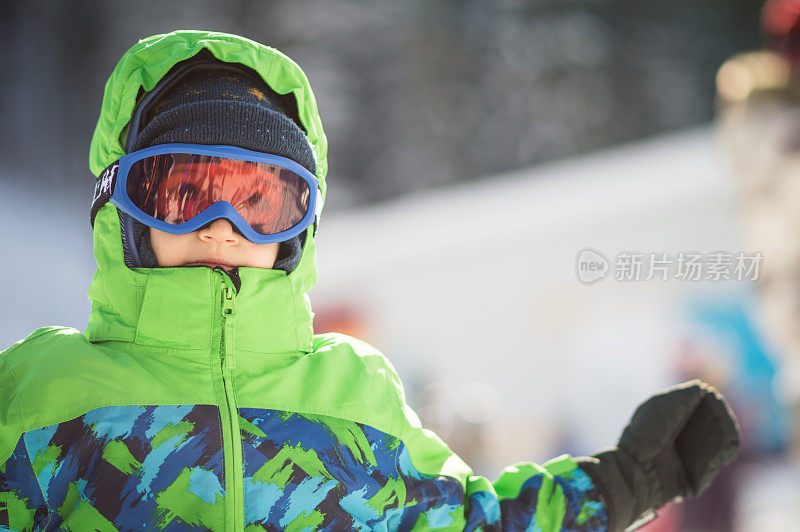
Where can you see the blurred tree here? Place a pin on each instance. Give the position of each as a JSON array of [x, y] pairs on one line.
[[413, 94]]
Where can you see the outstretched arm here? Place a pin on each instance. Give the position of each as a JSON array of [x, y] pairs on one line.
[[555, 496], [674, 445]]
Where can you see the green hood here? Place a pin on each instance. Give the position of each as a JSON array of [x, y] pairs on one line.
[[172, 307]]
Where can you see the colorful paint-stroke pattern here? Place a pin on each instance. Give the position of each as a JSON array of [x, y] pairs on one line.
[[22, 506], [125, 468], [307, 472], [161, 468], [319, 472], [584, 510]]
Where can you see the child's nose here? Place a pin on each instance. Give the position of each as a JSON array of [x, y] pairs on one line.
[[220, 230]]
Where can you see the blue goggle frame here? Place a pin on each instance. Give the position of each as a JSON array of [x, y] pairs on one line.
[[111, 187]]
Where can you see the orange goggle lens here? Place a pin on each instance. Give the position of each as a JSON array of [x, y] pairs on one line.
[[175, 187]]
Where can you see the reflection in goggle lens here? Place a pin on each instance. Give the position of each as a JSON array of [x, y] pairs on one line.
[[175, 187]]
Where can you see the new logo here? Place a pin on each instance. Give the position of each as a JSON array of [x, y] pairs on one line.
[[591, 266]]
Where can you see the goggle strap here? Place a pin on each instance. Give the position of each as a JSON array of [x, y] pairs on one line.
[[317, 210], [103, 189], [318, 203]]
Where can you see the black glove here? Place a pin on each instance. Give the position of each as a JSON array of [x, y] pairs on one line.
[[673, 446]]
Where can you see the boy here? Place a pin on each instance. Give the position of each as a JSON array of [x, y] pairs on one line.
[[199, 397]]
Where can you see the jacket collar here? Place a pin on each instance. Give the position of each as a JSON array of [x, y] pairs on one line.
[[180, 308]]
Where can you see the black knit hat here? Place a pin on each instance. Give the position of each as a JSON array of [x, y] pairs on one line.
[[225, 107], [230, 107]]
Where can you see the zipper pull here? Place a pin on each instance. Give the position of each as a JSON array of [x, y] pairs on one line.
[[228, 321], [228, 294]]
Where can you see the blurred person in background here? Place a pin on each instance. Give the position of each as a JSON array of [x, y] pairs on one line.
[[200, 397], [750, 348]]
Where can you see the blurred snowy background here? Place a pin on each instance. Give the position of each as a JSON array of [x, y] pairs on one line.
[[475, 149]]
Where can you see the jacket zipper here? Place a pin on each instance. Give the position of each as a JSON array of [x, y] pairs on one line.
[[230, 415]]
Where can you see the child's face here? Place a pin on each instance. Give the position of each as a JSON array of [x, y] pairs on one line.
[[215, 245]]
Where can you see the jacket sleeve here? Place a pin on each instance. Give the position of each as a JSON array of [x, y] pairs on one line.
[[555, 496], [22, 505], [21, 500]]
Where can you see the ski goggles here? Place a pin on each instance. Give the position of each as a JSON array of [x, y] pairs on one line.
[[179, 188]]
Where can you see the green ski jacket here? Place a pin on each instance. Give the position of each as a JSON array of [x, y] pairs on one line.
[[189, 404]]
